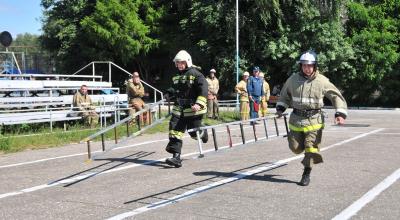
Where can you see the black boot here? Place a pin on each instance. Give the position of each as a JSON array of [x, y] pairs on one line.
[[204, 136], [305, 179], [175, 160]]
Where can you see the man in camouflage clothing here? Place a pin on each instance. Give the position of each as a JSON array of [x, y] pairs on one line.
[[83, 103]]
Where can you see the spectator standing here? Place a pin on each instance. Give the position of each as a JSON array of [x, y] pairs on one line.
[[241, 89], [255, 91], [212, 101]]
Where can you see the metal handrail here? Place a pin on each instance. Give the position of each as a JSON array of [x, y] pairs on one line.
[[25, 75], [155, 89], [125, 120], [110, 64]]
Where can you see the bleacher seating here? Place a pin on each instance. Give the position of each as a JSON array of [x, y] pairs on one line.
[[34, 98]]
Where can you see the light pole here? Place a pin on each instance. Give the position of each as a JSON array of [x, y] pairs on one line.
[[237, 49]]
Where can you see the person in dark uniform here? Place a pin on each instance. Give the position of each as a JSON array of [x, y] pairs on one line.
[[190, 90]]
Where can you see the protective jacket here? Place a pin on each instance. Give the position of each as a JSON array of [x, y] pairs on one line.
[[189, 87], [134, 90], [306, 95], [241, 89], [266, 91], [213, 87], [82, 102]]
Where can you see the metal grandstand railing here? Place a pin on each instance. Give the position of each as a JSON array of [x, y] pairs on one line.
[[110, 64]]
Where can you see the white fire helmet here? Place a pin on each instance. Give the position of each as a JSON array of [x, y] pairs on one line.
[[183, 56], [308, 58], [246, 74], [213, 71]]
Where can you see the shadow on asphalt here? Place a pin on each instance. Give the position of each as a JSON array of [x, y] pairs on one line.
[[266, 177], [94, 171], [216, 176]]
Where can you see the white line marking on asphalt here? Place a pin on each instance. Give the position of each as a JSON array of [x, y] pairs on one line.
[[368, 197], [77, 178], [201, 189], [99, 151]]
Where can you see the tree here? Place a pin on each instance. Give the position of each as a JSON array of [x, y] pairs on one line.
[[374, 33], [80, 31]]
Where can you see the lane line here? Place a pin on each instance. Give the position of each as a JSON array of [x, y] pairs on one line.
[[99, 151], [368, 197], [92, 174], [205, 188], [117, 148]]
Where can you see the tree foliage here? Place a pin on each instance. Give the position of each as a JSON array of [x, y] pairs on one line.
[[357, 41]]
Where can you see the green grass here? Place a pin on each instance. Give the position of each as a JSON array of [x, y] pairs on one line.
[[23, 137]]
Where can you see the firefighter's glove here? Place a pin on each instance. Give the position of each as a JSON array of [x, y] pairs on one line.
[[279, 111], [339, 118], [279, 114]]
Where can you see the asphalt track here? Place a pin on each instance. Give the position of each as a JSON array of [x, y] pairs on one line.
[[359, 178]]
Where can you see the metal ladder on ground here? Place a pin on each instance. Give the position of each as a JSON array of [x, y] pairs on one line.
[[228, 126]]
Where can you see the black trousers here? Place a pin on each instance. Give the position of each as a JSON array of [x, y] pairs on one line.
[[177, 128]]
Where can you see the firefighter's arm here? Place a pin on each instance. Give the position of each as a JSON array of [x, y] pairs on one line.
[[284, 99], [250, 87], [338, 102], [239, 89], [140, 90], [202, 87], [90, 106], [217, 88], [267, 91]]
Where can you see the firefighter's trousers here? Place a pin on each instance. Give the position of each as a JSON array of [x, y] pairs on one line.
[[91, 118], [244, 110], [212, 108], [177, 128], [138, 104], [308, 142], [263, 108]]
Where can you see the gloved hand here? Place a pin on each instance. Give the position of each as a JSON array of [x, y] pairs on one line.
[[279, 110], [279, 114]]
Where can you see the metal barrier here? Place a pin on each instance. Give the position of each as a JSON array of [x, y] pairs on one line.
[[240, 123], [110, 65], [126, 122]]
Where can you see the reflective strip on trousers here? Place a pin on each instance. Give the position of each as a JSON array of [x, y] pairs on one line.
[[175, 134], [306, 128], [311, 150]]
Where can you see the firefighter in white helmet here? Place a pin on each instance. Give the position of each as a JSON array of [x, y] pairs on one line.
[[241, 90], [304, 91], [212, 99], [190, 91]]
